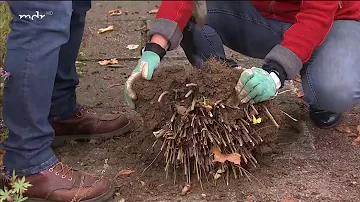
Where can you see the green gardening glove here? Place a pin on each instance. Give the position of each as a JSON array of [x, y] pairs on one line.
[[145, 69], [256, 85]]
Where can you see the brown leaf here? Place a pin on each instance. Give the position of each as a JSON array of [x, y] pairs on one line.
[[124, 172], [154, 11], [181, 109], [185, 189], [106, 62], [358, 129], [288, 200], [351, 134], [106, 77], [108, 28], [343, 129], [252, 113], [114, 12], [115, 84], [300, 94], [219, 157], [356, 141]]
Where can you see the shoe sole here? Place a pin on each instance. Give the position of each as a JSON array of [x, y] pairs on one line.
[[102, 198], [60, 140], [330, 126]]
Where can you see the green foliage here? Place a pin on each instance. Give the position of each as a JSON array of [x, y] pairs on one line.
[[18, 186], [5, 18], [79, 66], [4, 132]]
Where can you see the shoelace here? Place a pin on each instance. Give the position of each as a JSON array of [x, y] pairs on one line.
[[62, 169], [83, 110]]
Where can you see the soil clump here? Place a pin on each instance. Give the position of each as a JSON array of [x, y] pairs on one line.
[[201, 125]]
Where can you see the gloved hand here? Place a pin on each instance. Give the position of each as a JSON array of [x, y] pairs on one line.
[[260, 84], [145, 67]]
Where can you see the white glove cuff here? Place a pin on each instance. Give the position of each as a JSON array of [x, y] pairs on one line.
[[276, 80]]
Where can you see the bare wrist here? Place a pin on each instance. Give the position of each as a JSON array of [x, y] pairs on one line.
[[158, 39]]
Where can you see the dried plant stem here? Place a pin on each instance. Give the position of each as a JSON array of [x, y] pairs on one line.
[[191, 84], [162, 95], [289, 116], [194, 129], [256, 112], [271, 117], [152, 162]]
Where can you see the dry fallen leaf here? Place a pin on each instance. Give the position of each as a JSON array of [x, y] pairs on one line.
[[154, 11], [185, 189], [358, 129], [300, 94], [115, 12], [288, 200], [351, 134], [106, 77], [343, 129], [132, 46], [181, 109], [106, 62], [108, 28], [124, 172], [217, 176], [356, 141], [115, 84], [252, 113], [219, 157]]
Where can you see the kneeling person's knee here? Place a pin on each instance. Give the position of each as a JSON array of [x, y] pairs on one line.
[[335, 97]]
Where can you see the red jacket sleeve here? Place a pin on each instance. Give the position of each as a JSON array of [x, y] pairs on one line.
[[171, 20], [312, 24], [177, 11]]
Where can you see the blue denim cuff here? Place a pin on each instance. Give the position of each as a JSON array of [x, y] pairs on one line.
[[67, 115], [36, 169]]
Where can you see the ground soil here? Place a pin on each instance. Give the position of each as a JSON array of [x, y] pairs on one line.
[[307, 165], [214, 81], [302, 163]]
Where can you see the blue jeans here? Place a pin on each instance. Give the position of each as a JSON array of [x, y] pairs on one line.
[[330, 79], [41, 55]]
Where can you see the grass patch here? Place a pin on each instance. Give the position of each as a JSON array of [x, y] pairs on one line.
[[5, 18]]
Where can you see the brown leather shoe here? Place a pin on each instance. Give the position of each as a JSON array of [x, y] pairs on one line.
[[85, 125], [63, 183]]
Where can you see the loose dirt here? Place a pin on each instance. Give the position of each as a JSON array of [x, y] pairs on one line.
[[312, 165], [214, 82], [196, 111]]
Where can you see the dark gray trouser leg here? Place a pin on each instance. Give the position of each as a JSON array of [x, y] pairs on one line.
[[235, 24], [331, 78]]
